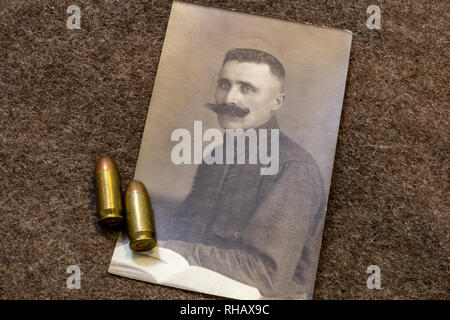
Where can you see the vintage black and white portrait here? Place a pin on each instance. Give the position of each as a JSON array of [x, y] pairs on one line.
[[237, 154]]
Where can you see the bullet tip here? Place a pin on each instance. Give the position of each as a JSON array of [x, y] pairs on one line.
[[105, 164], [135, 186]]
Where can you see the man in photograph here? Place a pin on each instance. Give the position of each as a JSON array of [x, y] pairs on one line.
[[260, 229]]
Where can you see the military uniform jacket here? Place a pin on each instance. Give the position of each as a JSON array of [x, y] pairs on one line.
[[262, 230]]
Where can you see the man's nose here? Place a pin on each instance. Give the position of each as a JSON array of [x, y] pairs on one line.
[[232, 96]]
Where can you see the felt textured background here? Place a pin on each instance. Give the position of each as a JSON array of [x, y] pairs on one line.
[[68, 97]]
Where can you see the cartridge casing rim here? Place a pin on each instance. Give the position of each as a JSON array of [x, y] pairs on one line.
[[112, 219], [143, 244]]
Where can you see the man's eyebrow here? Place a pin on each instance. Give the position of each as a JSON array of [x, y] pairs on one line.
[[223, 80]]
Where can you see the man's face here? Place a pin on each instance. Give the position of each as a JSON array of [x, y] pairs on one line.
[[248, 85]]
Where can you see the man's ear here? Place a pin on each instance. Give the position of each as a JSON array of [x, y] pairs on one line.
[[279, 100]]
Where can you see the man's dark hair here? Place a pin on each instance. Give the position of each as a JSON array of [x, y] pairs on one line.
[[257, 56]]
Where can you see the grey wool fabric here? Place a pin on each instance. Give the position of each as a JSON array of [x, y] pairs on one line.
[[68, 97]]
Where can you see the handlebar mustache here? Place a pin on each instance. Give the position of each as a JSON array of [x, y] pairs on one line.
[[228, 108]]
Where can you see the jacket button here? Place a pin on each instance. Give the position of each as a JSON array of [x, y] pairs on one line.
[[237, 234]]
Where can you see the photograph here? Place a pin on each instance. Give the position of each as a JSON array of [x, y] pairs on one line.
[[243, 117]]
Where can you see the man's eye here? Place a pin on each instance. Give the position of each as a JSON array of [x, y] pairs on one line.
[[224, 85], [245, 89]]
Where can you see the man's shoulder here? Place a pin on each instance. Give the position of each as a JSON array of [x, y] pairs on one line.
[[290, 151], [299, 164], [294, 156]]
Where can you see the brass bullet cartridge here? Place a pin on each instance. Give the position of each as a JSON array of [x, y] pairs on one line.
[[139, 217], [107, 189]]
